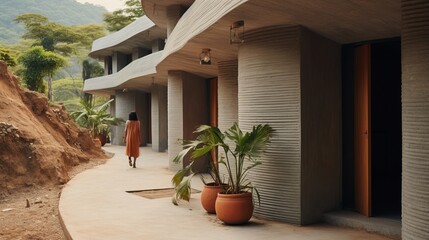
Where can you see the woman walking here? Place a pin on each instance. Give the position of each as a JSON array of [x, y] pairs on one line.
[[132, 138]]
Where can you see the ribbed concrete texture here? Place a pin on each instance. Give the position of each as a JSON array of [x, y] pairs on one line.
[[415, 117], [159, 118], [207, 13], [227, 97], [290, 77], [175, 117], [269, 92]]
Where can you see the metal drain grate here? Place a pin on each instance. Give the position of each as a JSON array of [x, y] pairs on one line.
[[157, 193]]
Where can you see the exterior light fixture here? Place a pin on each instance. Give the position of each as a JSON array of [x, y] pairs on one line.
[[205, 58], [236, 32]]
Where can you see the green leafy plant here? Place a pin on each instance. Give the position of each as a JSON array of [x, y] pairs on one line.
[[95, 118], [241, 148]]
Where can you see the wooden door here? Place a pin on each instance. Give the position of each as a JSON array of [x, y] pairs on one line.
[[362, 133]]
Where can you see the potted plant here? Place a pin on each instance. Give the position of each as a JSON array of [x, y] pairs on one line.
[[96, 119], [206, 141], [241, 151]]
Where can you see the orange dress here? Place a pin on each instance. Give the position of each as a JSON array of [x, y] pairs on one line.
[[132, 138]]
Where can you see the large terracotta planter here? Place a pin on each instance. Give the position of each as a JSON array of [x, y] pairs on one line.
[[208, 197], [234, 209]]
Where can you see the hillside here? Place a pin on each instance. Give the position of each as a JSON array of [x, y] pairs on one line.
[[67, 12], [39, 143]]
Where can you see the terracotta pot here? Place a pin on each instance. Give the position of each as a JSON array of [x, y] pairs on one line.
[[234, 209], [97, 142], [208, 197], [103, 139]]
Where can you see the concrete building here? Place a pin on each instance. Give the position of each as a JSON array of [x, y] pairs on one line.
[[344, 84]]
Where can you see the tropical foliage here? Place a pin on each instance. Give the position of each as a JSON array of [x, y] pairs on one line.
[[56, 37], [66, 12], [120, 18], [240, 153], [7, 57], [38, 64], [95, 118]]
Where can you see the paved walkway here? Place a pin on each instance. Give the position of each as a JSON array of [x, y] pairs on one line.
[[95, 205]]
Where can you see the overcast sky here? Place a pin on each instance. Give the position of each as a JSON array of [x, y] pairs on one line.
[[110, 5]]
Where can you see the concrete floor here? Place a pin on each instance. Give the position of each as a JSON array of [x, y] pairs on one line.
[[96, 205]]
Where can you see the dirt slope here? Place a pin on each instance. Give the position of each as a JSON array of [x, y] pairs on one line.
[[39, 144]]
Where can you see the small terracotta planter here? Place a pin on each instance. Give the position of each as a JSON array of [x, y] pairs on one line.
[[234, 209], [97, 142], [209, 195]]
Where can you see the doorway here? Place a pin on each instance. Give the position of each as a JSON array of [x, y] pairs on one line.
[[372, 128]]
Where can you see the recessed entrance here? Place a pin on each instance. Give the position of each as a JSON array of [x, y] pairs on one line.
[[372, 131]]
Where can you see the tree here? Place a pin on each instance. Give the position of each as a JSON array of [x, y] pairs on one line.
[[6, 57], [120, 18], [58, 38], [90, 68], [38, 64]]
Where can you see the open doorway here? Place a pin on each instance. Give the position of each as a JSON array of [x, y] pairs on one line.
[[372, 130]]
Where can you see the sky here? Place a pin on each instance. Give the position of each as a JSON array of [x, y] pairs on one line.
[[110, 5]]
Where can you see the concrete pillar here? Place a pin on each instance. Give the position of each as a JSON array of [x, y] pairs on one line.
[[289, 78], [159, 118], [188, 107], [415, 119], [119, 61], [173, 15], [126, 102], [108, 65], [140, 52], [158, 45]]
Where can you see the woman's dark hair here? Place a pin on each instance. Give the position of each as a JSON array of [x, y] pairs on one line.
[[133, 116]]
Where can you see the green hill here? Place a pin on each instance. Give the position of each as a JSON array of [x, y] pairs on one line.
[[67, 12]]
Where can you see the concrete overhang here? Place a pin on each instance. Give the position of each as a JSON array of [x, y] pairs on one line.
[[138, 34], [156, 10], [206, 24], [138, 75]]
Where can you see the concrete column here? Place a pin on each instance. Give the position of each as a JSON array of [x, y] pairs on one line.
[[158, 45], [415, 119], [188, 107], [126, 102], [107, 65], [119, 61], [282, 83], [173, 15], [140, 52], [159, 118]]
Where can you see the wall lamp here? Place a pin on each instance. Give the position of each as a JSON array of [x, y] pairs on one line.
[[205, 58], [236, 32]]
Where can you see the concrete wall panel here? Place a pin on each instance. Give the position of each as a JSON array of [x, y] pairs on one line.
[[269, 92], [321, 126], [415, 119], [227, 97]]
